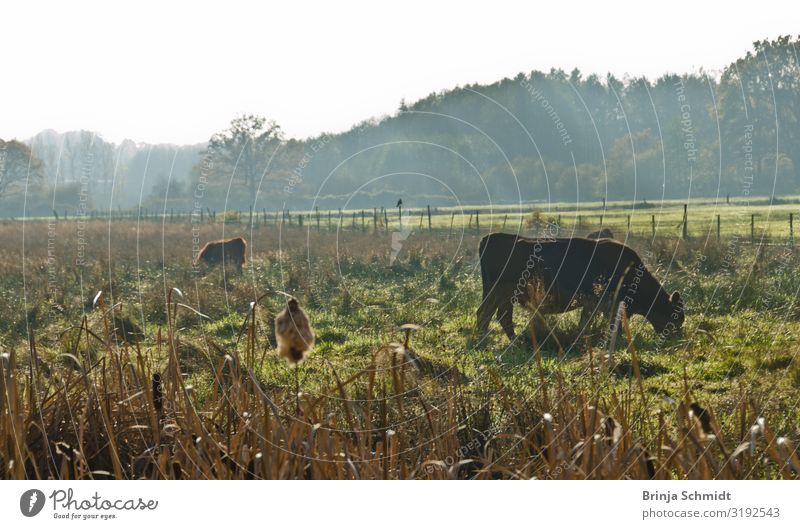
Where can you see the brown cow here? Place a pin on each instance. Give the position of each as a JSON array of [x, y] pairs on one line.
[[224, 251], [567, 274]]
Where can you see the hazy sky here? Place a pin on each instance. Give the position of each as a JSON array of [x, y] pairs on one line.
[[169, 72]]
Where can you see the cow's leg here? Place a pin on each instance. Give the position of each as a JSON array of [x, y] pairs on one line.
[[505, 315], [613, 326], [588, 313], [486, 310], [540, 328]]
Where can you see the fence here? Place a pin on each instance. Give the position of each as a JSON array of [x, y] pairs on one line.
[[480, 220]]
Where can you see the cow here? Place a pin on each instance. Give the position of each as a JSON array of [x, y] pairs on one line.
[[603, 233], [223, 252], [593, 275]]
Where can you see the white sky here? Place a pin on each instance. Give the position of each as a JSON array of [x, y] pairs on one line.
[[177, 72]]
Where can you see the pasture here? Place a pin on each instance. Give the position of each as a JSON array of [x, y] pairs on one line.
[[149, 381]]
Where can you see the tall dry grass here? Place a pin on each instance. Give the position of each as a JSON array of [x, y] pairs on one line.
[[118, 406], [122, 416]]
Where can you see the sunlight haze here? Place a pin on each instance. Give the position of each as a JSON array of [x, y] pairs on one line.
[[178, 72]]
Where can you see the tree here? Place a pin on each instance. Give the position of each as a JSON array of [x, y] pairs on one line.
[[243, 150], [18, 165]]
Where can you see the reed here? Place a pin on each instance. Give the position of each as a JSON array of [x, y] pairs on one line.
[[119, 417]]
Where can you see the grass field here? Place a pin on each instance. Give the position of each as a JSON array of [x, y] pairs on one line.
[[79, 398], [759, 217]]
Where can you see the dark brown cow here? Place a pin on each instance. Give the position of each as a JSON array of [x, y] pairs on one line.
[[604, 233], [594, 275], [223, 252]]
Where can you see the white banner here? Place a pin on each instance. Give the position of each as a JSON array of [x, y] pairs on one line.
[[398, 504]]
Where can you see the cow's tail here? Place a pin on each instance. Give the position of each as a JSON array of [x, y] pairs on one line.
[[244, 250], [482, 260]]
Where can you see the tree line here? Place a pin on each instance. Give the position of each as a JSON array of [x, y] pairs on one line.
[[540, 136]]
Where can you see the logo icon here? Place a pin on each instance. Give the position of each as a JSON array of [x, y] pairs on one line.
[[31, 502], [397, 243]]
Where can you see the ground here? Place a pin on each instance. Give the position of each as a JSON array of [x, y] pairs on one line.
[[737, 354]]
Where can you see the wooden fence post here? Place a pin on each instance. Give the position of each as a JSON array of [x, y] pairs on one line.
[[752, 228], [452, 219], [685, 221], [430, 226], [718, 228]]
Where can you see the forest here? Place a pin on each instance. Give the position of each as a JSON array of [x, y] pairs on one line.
[[538, 137]]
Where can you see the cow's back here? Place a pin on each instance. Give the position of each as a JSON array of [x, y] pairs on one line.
[[217, 251], [507, 260]]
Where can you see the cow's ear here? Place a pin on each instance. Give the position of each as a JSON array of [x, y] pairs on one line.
[[675, 298]]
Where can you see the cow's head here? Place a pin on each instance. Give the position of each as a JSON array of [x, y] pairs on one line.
[[667, 318]]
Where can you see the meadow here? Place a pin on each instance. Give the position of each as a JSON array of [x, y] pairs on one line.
[[121, 360]]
